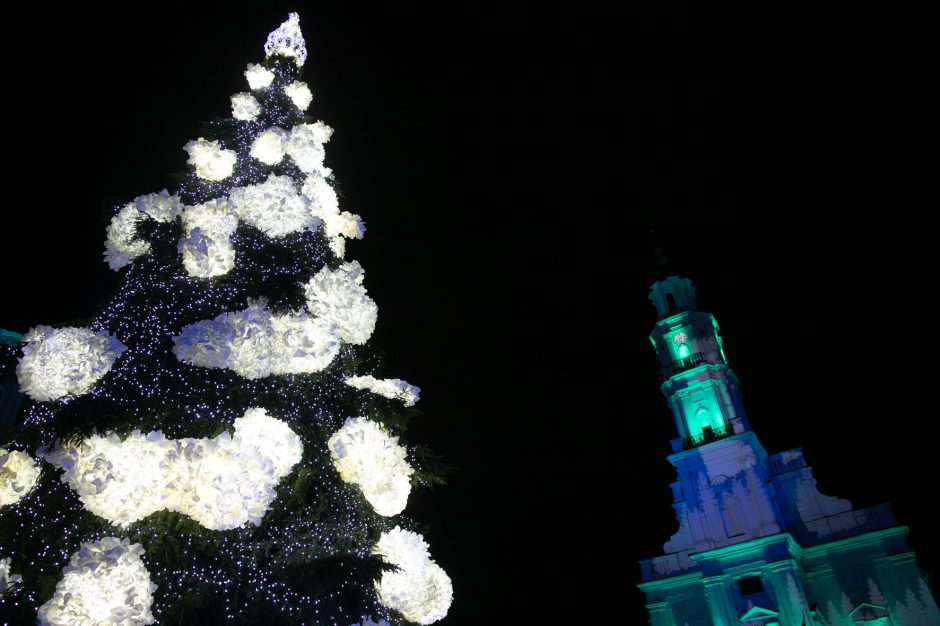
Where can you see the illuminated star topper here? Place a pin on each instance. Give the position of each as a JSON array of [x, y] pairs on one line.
[[288, 40]]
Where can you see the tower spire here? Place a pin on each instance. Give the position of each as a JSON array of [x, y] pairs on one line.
[[672, 293], [659, 254]]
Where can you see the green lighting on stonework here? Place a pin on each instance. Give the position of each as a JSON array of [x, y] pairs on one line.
[[702, 411], [721, 343], [680, 344]]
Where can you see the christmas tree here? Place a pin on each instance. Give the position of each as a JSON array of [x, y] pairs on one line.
[[218, 444]]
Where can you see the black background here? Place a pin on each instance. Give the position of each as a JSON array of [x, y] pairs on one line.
[[507, 162]]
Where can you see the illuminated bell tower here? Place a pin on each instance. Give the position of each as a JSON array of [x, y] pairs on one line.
[[702, 391], [757, 543]]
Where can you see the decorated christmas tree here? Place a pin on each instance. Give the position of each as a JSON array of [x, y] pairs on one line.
[[218, 444]]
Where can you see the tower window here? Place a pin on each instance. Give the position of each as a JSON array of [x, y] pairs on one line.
[[671, 302], [750, 584]]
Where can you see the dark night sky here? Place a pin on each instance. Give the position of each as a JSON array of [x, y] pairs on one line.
[[505, 162]]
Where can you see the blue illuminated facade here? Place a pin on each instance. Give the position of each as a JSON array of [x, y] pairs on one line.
[[757, 543]]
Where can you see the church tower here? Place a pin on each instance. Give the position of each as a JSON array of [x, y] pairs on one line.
[[757, 544]]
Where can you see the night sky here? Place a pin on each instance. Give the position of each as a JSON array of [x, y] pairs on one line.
[[508, 164]]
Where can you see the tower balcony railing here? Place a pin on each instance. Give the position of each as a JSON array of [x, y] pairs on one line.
[[708, 435], [686, 363]]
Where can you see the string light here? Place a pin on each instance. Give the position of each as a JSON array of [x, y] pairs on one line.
[[313, 558]]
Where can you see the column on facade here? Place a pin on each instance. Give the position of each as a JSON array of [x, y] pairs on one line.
[[661, 614], [829, 597], [787, 592], [908, 598], [720, 601]]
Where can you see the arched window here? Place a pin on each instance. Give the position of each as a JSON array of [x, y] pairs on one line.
[[670, 303], [684, 350], [703, 417]]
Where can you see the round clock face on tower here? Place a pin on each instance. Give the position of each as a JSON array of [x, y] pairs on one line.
[[680, 338]]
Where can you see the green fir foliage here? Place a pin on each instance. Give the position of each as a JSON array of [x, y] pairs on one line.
[[310, 561]]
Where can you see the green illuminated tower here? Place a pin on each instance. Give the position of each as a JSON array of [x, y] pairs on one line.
[[757, 544]]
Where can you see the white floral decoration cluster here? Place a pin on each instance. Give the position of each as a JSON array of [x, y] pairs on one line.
[[270, 145], [222, 483], [340, 297], [60, 362], [303, 144], [299, 94], [105, 584], [365, 455], [274, 207], [392, 388], [211, 161], [256, 343], [420, 589], [258, 76], [205, 245], [287, 40], [8, 580], [121, 248], [18, 475], [305, 148], [367, 621], [161, 206], [337, 225], [244, 107]]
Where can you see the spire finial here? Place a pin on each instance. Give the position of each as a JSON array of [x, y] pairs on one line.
[[660, 261], [288, 41], [659, 255]]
